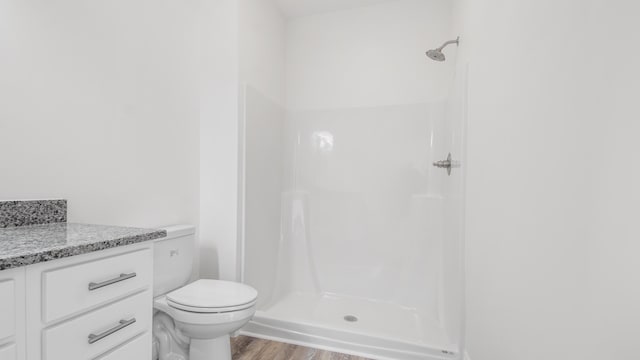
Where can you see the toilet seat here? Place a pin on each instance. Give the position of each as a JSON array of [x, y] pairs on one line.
[[161, 303], [212, 296], [203, 310]]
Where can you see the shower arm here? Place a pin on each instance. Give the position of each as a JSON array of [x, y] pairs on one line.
[[456, 41]]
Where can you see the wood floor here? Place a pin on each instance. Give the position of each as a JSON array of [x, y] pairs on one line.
[[248, 348]]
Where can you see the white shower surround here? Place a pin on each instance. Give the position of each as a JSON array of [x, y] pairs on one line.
[[343, 213]]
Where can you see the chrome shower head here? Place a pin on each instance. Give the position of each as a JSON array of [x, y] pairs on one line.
[[437, 54]]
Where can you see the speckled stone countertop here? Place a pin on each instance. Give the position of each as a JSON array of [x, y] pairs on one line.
[[32, 212], [26, 245]]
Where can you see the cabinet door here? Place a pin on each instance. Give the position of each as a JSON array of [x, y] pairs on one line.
[[7, 309], [69, 299], [12, 314]]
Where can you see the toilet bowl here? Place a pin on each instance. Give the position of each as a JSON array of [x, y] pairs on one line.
[[193, 320]]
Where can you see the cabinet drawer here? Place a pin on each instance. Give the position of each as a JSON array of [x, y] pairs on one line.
[[138, 348], [7, 310], [8, 352], [73, 289], [99, 331]]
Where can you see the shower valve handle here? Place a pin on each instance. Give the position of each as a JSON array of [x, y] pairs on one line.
[[446, 164]]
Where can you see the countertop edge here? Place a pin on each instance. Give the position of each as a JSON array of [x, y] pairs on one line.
[[65, 252]]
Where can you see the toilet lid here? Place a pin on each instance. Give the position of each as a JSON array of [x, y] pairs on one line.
[[213, 294]]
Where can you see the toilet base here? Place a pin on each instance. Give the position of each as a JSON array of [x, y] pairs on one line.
[[212, 349]]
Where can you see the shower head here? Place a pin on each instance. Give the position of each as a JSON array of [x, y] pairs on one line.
[[437, 54]]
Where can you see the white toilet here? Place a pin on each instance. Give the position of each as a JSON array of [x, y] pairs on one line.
[[193, 320]]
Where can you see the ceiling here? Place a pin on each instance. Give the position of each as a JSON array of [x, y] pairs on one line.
[[295, 8]]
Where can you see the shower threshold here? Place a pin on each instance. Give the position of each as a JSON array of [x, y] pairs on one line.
[[356, 326]]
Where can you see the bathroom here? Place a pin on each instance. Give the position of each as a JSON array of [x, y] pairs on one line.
[[319, 179]]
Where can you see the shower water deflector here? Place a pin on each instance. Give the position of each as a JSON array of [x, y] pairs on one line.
[[437, 54]]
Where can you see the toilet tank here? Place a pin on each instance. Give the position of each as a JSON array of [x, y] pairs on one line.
[[173, 259]]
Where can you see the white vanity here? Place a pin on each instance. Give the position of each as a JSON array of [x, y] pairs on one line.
[[76, 292], [90, 306], [88, 292], [93, 306]]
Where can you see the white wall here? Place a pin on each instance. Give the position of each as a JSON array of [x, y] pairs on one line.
[[243, 44], [99, 105], [262, 69], [613, 295], [219, 89], [296, 8], [262, 48], [368, 56], [130, 109], [261, 101], [551, 199]]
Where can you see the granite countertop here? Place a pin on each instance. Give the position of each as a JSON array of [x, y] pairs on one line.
[[26, 245]]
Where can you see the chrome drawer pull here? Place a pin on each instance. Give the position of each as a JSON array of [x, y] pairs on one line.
[[123, 324], [122, 277]]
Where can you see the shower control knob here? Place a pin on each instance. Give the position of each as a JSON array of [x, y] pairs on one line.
[[446, 164]]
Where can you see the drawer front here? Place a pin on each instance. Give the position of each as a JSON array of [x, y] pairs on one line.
[[73, 289], [8, 352], [7, 309], [99, 331], [138, 348]]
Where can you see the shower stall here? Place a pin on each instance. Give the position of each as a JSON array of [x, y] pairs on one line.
[[351, 235]]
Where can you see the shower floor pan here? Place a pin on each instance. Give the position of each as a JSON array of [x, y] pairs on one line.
[[372, 329]]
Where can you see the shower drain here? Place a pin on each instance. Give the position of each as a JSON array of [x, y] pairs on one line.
[[350, 318]]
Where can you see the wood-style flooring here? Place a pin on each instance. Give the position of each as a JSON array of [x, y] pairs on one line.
[[248, 348]]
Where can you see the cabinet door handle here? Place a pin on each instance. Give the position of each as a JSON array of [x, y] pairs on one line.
[[122, 277], [123, 324]]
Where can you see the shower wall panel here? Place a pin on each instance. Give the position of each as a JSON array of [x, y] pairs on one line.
[[370, 200], [263, 173]]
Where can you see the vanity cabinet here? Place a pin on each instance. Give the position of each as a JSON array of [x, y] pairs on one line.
[[12, 314], [96, 306]]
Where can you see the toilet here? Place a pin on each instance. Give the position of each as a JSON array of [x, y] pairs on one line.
[[193, 319]]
